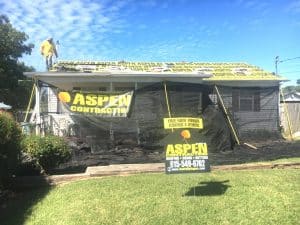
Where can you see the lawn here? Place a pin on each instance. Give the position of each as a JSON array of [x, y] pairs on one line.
[[286, 160], [219, 197]]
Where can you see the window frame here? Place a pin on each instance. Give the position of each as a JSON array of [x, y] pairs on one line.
[[243, 95]]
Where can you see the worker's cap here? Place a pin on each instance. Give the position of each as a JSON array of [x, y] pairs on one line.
[[49, 38]]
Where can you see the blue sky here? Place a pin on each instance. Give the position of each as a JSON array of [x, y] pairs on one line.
[[252, 31]]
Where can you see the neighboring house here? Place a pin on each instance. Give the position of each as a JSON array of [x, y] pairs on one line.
[[290, 114], [292, 97], [157, 90]]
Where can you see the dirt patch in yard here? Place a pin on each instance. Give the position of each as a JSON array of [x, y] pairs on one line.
[[265, 150]]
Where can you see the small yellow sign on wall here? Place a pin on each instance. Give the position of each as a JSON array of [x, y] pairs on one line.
[[183, 122]]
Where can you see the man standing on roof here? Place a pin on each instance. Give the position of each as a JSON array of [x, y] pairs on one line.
[[47, 49]]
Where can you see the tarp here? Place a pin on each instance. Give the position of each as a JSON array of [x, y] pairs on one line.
[[158, 114], [170, 118], [144, 124]]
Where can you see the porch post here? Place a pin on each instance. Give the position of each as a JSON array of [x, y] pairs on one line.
[[111, 131], [138, 131], [37, 109]]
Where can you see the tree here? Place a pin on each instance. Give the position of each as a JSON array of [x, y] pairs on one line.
[[12, 47], [291, 89], [10, 146]]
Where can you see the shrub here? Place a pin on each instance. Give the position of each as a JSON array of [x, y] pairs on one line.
[[49, 151], [10, 148]]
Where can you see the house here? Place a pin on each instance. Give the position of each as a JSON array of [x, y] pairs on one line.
[[111, 104]]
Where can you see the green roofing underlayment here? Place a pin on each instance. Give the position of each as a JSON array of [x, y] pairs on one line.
[[218, 71]]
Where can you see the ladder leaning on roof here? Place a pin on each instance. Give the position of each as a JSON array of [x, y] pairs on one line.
[[227, 116]]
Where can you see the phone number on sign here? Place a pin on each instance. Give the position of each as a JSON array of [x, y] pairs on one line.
[[198, 163]]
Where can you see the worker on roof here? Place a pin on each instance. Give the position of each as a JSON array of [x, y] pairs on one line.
[[48, 49]]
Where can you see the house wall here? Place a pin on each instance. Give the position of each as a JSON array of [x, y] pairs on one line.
[[266, 119], [52, 101]]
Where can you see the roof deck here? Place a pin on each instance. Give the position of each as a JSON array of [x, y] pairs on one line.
[[213, 71], [69, 74]]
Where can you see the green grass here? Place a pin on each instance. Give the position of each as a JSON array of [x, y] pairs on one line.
[[219, 197], [286, 160]]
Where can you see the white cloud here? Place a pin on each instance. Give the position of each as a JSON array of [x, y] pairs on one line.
[[184, 49], [76, 23], [93, 29]]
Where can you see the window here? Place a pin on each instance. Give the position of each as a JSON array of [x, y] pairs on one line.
[[246, 99]]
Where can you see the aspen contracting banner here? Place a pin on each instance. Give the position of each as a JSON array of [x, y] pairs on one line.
[[183, 154], [97, 104]]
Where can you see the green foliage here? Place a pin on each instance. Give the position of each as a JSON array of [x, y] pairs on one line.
[[49, 151], [291, 89], [12, 47], [17, 97], [10, 148]]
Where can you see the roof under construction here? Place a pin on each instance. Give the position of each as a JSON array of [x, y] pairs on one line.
[[69, 74], [213, 71]]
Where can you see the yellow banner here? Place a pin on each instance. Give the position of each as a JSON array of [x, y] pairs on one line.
[[183, 122], [100, 104]]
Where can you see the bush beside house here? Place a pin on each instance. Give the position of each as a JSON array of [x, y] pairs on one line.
[[10, 147], [49, 151]]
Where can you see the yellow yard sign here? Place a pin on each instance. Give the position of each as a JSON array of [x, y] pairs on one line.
[[183, 122]]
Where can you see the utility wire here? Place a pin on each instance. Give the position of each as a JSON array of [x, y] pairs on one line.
[[277, 61], [280, 61], [292, 63]]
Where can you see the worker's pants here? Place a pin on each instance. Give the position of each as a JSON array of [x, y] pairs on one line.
[[48, 60]]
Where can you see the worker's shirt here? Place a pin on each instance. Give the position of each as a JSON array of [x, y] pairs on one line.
[[48, 49]]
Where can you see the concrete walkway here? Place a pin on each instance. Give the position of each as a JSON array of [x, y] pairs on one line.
[[126, 169], [123, 169]]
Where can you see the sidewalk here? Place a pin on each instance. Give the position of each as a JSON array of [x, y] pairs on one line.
[[126, 169]]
